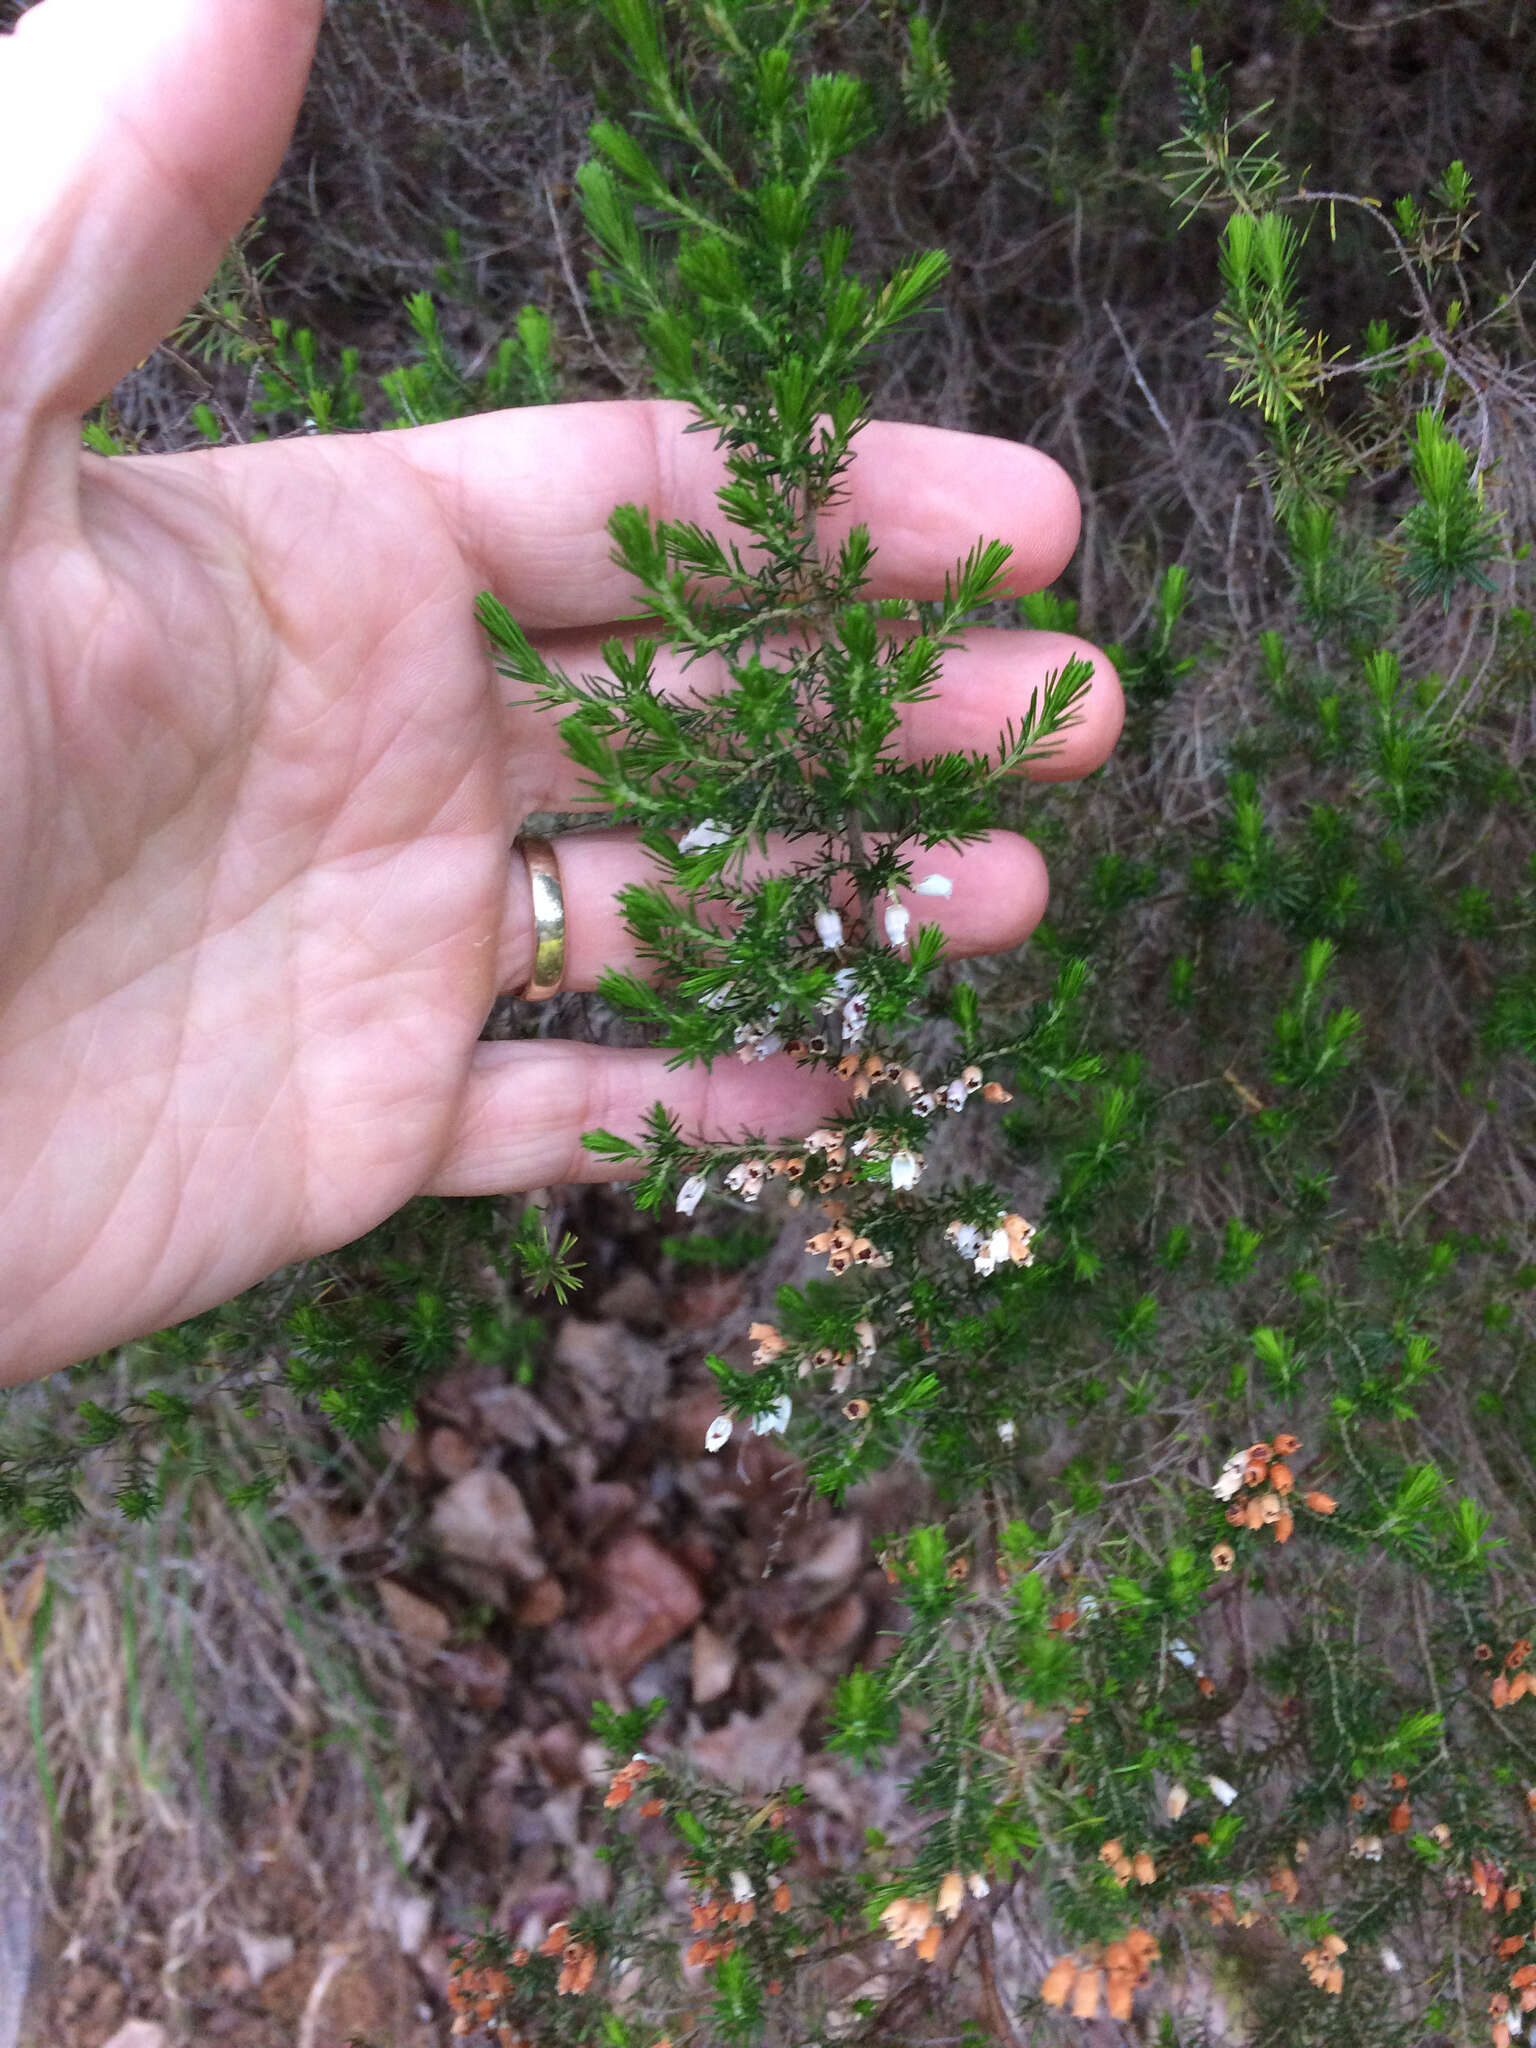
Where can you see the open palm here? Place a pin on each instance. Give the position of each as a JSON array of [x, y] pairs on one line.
[[258, 780]]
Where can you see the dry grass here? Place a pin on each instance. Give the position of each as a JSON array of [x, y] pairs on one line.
[[214, 1740]]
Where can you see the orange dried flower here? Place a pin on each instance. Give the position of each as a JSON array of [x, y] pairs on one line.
[[1281, 1478], [1286, 1445], [1400, 1819], [1058, 1981], [1085, 1994], [1284, 1527], [1321, 1503], [652, 1808], [578, 1965], [1356, 1802]]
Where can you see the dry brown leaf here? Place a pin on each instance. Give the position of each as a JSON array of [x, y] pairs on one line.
[[648, 1601], [481, 1520]]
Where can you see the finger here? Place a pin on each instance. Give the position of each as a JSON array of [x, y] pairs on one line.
[[527, 494], [984, 687], [998, 895], [134, 142], [528, 1102]]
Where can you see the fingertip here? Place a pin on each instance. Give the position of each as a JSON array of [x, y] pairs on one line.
[[928, 494], [1015, 909], [1056, 513], [1099, 717]]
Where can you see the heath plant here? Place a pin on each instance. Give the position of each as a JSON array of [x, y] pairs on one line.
[[1183, 1264], [1242, 1670]]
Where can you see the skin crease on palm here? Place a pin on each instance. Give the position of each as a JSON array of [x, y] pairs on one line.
[[258, 777]]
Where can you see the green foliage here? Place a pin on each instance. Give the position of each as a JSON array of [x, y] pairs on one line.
[[965, 1365], [1266, 1069]]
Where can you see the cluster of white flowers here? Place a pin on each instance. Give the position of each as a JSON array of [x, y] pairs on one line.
[[829, 929], [770, 1421], [1011, 1243], [708, 832], [746, 1178], [896, 919], [774, 1419], [1231, 1476], [757, 1042], [906, 1166]]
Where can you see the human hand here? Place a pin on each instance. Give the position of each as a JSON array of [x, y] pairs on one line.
[[258, 782]]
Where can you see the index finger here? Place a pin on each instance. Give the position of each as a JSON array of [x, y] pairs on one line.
[[527, 494]]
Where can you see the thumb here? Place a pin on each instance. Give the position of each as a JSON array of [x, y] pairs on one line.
[[135, 140]]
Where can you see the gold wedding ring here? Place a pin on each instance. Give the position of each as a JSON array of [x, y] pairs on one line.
[[548, 919]]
